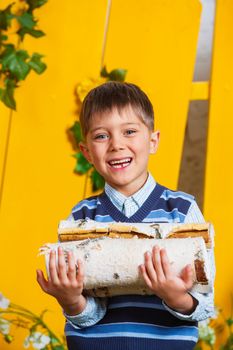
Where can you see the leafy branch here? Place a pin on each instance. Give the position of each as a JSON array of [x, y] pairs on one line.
[[16, 21], [83, 167], [40, 336], [210, 329]]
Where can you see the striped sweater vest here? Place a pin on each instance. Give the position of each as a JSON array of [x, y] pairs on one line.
[[136, 322]]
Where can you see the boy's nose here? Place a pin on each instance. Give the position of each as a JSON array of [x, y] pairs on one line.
[[116, 144]]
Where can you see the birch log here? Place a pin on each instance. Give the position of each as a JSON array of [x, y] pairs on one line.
[[111, 265]]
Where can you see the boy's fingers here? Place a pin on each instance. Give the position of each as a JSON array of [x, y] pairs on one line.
[[53, 276], [149, 266], [61, 266], [165, 263], [157, 263], [145, 276], [71, 266], [187, 276], [79, 271]]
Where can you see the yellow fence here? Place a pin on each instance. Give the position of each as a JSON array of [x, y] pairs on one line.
[[156, 42]]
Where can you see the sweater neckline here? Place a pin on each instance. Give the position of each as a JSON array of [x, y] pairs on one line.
[[140, 214]]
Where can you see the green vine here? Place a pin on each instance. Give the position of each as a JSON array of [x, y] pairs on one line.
[[39, 335], [83, 167], [209, 331], [16, 21]]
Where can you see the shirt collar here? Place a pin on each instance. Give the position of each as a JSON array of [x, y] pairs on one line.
[[139, 197]]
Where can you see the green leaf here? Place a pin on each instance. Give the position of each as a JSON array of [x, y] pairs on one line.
[[8, 338], [3, 37], [7, 96], [36, 64], [33, 4], [117, 74], [77, 132], [3, 20], [59, 347], [33, 32], [5, 17], [9, 49], [97, 181], [53, 339], [26, 20], [229, 321], [82, 165], [15, 62]]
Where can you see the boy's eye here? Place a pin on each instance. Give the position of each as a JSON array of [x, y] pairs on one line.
[[130, 132], [100, 137]]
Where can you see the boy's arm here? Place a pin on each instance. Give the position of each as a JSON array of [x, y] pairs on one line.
[[94, 311]]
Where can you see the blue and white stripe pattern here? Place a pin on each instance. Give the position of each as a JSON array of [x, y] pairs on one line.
[[134, 322]]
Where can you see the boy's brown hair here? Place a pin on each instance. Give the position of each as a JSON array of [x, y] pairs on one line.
[[117, 95]]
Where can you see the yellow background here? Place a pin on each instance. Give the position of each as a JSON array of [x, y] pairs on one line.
[[156, 42]]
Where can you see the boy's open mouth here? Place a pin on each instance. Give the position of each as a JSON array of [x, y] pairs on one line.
[[120, 163]]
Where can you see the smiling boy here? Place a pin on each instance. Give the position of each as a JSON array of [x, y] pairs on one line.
[[117, 121]]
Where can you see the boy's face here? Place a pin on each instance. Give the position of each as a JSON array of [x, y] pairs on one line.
[[118, 145]]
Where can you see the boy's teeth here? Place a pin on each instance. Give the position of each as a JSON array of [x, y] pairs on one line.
[[126, 160]]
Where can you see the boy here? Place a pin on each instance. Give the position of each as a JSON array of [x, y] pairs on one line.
[[117, 121]]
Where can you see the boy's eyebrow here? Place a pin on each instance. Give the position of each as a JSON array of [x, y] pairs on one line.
[[103, 127]]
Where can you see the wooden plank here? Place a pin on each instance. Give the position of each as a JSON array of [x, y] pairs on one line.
[[156, 41], [40, 186], [219, 168]]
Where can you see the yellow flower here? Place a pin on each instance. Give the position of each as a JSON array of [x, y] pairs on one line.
[[86, 85], [19, 7]]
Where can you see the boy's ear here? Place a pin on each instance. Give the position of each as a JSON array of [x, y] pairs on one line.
[[84, 149], [154, 142]]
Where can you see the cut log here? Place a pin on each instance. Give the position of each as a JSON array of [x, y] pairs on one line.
[[111, 265]]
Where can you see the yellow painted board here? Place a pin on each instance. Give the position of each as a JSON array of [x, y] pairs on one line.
[[218, 204], [156, 42], [200, 90], [40, 186], [4, 124]]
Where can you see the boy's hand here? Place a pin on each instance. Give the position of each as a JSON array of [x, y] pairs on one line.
[[160, 278], [65, 284]]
